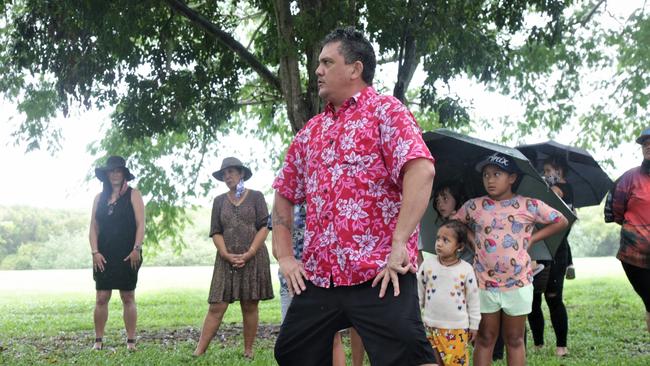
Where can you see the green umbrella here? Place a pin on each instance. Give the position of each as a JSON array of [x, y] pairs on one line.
[[456, 157]]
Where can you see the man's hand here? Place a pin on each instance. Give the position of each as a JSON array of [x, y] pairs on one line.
[[397, 263], [293, 273]]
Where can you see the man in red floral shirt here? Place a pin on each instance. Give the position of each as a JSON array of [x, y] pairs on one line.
[[365, 175]]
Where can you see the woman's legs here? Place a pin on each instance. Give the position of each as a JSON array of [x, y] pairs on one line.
[[130, 315], [338, 351], [488, 330], [560, 321], [100, 315], [536, 320], [358, 351], [251, 318], [640, 280], [514, 330], [210, 326]]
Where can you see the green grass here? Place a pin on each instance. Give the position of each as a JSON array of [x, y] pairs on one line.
[[606, 328]]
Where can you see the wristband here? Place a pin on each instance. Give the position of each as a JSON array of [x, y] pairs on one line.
[[137, 247], [94, 252]]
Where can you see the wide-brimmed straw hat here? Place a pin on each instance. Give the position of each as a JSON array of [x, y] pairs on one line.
[[232, 162], [113, 162]]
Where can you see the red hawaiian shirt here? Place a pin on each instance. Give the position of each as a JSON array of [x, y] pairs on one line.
[[346, 166]]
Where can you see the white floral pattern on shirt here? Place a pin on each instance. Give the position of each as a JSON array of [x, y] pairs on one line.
[[354, 158]]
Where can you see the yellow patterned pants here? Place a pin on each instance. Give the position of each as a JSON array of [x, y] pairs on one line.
[[451, 344]]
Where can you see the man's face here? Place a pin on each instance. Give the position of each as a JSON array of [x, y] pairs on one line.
[[334, 76], [645, 146]]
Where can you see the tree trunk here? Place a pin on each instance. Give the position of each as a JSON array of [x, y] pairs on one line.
[[409, 57], [297, 107], [406, 69]]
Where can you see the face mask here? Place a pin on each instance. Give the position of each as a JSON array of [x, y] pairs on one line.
[[240, 188]]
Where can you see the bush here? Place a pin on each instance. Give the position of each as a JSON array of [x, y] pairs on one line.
[[33, 238], [591, 237]]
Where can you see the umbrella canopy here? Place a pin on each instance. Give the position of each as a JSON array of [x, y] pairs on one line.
[[456, 156], [589, 181]]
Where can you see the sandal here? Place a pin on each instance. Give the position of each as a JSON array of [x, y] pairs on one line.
[[101, 344], [130, 344]]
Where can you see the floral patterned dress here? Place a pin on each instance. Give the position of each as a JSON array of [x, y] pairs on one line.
[[239, 224]]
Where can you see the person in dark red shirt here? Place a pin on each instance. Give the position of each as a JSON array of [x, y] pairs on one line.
[[366, 176], [629, 206]]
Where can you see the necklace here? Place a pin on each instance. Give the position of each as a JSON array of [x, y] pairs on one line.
[[448, 264]]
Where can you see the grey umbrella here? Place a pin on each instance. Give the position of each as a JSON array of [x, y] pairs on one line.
[[589, 181], [456, 156]]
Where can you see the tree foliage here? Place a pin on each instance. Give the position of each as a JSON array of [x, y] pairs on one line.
[[180, 74], [599, 75]]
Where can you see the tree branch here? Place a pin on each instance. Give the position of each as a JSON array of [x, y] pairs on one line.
[[591, 13], [257, 30], [246, 102], [226, 39], [387, 60]]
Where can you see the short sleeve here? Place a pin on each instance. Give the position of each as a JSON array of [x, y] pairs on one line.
[[462, 214], [290, 181], [544, 214], [215, 219], [261, 211], [400, 137]]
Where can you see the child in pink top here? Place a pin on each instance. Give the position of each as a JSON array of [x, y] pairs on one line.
[[502, 224]]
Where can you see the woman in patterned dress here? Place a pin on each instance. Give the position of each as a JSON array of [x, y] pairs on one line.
[[242, 267]]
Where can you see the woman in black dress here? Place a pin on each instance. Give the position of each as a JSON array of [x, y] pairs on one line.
[[116, 234], [554, 172]]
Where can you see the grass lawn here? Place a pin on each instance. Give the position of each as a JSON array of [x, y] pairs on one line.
[[606, 328]]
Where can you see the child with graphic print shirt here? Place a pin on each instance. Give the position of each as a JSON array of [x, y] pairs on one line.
[[502, 225], [448, 295]]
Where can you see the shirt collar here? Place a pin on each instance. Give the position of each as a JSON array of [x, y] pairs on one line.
[[357, 99]]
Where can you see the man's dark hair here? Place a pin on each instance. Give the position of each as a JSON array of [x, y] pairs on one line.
[[354, 47]]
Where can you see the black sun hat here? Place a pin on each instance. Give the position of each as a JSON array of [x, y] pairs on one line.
[[113, 162], [232, 162]]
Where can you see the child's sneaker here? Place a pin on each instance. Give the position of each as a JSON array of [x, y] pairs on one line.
[[570, 272]]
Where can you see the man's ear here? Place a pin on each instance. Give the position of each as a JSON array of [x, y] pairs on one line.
[[357, 70]]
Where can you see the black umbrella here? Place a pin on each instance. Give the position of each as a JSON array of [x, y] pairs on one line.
[[589, 182], [456, 156]]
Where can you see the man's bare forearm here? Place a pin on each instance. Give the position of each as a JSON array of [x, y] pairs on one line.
[[282, 225], [416, 190]]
